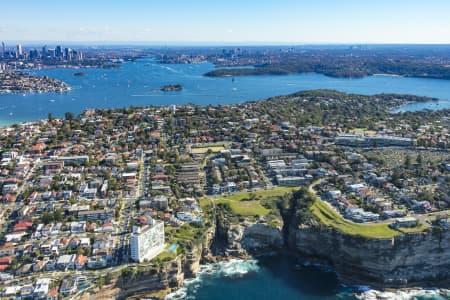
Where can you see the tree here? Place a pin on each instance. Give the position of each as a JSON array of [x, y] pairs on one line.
[[407, 161], [108, 278], [46, 218], [419, 159], [58, 215], [101, 282], [69, 116], [396, 175]]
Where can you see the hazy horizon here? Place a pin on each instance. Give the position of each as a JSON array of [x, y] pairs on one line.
[[232, 22], [32, 43]]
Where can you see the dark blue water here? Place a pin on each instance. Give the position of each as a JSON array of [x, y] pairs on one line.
[[268, 278], [137, 84]]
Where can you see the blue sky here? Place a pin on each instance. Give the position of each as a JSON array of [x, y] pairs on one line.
[[227, 21]]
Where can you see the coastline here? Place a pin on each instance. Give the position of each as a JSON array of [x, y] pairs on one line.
[[31, 92], [207, 91], [18, 82], [235, 268], [388, 75], [397, 109]]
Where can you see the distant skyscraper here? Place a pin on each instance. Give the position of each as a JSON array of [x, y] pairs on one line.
[[58, 52], [44, 52], [51, 52], [19, 51], [3, 49], [33, 54], [68, 54]]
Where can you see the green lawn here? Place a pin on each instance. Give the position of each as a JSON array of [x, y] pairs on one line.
[[183, 234], [277, 191], [420, 227], [203, 150], [362, 131], [248, 203], [329, 217], [206, 204], [245, 208], [166, 255]]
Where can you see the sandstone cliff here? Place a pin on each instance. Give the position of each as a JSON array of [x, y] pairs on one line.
[[419, 258], [245, 237]]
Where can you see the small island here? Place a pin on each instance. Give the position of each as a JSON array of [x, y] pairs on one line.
[[171, 88]]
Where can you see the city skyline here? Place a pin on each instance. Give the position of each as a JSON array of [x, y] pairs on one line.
[[232, 22]]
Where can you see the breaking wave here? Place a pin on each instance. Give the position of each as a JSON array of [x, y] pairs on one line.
[[412, 294], [235, 268]]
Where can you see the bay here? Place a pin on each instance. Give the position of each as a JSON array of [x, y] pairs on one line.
[[277, 277], [137, 84]]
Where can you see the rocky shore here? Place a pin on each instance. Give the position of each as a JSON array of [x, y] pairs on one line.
[[401, 263], [19, 82]]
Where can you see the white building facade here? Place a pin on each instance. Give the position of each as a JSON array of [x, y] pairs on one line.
[[148, 242]]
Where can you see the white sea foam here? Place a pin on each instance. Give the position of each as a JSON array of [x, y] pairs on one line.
[[170, 69], [237, 268], [230, 269], [179, 294], [411, 294]]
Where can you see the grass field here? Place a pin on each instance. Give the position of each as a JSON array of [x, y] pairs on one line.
[[277, 191], [378, 231], [329, 217], [362, 131], [245, 208], [166, 255], [182, 235], [421, 227], [203, 150], [248, 203]]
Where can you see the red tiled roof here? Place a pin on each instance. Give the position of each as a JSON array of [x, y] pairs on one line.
[[6, 260], [22, 226], [6, 245], [3, 267], [53, 293], [80, 259]]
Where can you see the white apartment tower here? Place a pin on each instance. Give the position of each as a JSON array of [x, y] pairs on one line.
[[148, 242]]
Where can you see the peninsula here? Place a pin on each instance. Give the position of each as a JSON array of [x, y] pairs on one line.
[[425, 61], [20, 82]]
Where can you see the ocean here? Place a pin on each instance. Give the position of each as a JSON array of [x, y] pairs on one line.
[[283, 277], [137, 84], [278, 277]]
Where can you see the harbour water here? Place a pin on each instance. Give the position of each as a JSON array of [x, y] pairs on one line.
[[137, 84]]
